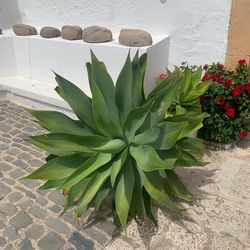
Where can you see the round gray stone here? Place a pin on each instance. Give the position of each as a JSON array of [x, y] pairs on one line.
[[96, 34], [50, 32], [24, 30], [72, 32], [135, 38]]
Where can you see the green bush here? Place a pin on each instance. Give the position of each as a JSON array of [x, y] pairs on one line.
[[123, 148], [228, 102]]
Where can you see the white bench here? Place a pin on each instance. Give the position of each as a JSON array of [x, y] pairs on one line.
[[26, 64]]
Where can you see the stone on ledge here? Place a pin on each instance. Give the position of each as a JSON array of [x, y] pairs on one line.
[[1, 32], [24, 30], [50, 32], [96, 34], [135, 38], [70, 32]]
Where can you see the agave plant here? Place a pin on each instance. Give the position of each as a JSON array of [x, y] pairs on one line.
[[122, 147]]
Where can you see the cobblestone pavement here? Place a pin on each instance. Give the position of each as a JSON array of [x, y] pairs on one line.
[[220, 219], [28, 216]]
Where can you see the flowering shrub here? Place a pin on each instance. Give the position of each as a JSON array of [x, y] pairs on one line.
[[227, 101]]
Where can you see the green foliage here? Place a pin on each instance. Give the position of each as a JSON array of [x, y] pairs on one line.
[[123, 148], [228, 102]]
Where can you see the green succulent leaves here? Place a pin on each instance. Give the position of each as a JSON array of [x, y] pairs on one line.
[[123, 148]]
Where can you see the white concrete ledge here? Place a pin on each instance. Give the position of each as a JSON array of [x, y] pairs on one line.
[[26, 63]]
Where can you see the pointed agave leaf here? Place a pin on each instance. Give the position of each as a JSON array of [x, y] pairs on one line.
[[77, 100], [59, 168], [138, 196], [123, 89], [163, 137], [135, 119], [147, 204], [103, 115], [143, 66], [124, 191], [193, 145], [194, 122], [97, 180], [117, 165], [152, 181], [66, 143], [75, 193], [177, 187], [186, 159], [102, 79], [138, 81], [102, 195], [52, 184], [59, 123], [148, 160], [87, 168], [50, 157]]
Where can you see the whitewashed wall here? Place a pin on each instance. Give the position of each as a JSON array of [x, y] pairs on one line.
[[198, 28]]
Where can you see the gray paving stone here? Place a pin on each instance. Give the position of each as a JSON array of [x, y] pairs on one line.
[[3, 146], [16, 196], [8, 181], [35, 232], [13, 151], [96, 235], [80, 242], [58, 225], [56, 209], [21, 220], [35, 163], [16, 174], [26, 204], [41, 201], [5, 128], [5, 167], [2, 242], [24, 156], [9, 247], [11, 234], [27, 192], [1, 224], [25, 245], [20, 164], [57, 197], [8, 209], [38, 212], [51, 241]]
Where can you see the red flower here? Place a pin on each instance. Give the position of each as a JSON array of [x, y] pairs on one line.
[[230, 111], [247, 87], [242, 61], [206, 77], [202, 98], [228, 83], [243, 134], [221, 101], [205, 67], [162, 76], [237, 90], [220, 66]]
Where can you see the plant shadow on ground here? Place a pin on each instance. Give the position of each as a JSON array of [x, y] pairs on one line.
[[193, 177]]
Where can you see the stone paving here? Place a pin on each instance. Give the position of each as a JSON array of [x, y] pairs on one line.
[[219, 219], [28, 216]]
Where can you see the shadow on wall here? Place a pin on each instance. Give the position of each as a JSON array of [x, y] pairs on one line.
[[9, 13]]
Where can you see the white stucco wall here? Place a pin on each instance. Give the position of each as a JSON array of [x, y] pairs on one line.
[[198, 28]]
